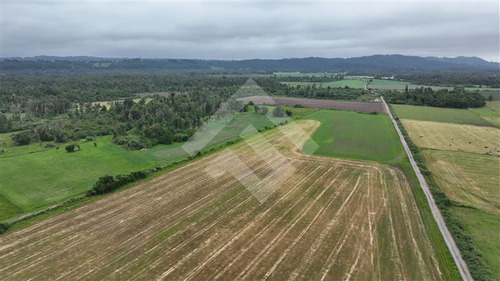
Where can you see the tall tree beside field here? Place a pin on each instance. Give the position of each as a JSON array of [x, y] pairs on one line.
[[278, 112], [5, 123], [264, 110]]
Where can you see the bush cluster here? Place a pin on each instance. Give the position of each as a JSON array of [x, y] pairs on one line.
[[4, 227], [109, 183]]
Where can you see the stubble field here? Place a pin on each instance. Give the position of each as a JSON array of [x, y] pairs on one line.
[[464, 163], [468, 178], [446, 136], [330, 220]]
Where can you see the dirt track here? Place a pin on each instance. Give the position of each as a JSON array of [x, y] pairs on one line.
[[331, 220], [317, 103]]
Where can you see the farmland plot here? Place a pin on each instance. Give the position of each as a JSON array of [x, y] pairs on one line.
[[436, 114], [454, 137], [468, 178], [330, 220]]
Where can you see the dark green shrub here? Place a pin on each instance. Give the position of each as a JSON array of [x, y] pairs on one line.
[[104, 184], [4, 227], [70, 148], [22, 138]]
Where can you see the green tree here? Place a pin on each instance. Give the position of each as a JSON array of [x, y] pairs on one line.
[[22, 138], [5, 124], [264, 110], [128, 103], [278, 112]]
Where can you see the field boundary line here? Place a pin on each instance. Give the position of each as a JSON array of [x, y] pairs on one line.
[[450, 242]]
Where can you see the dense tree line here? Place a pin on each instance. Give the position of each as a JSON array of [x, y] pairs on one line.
[[456, 98], [485, 78], [48, 96], [19, 90], [317, 92], [327, 77], [161, 120]]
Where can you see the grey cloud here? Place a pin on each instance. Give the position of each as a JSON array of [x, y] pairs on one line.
[[249, 30]]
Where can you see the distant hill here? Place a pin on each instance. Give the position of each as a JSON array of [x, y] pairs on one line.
[[470, 61], [384, 63]]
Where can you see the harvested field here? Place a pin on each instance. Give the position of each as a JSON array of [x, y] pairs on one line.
[[330, 220], [436, 114], [316, 103], [470, 179], [484, 140]]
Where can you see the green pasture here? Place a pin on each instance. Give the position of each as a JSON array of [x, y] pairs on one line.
[[302, 74], [484, 228], [354, 135], [351, 83], [36, 176]]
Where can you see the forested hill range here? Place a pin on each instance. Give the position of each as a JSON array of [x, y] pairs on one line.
[[359, 65]]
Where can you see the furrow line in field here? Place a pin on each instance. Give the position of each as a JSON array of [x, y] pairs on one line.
[[257, 237], [166, 273], [126, 195], [199, 267], [227, 184], [336, 217], [199, 233], [303, 232]]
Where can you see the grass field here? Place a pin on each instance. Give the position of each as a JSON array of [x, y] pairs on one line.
[[492, 109], [34, 177], [435, 114], [34, 180], [351, 83], [484, 229], [331, 218], [302, 74], [383, 84], [378, 82], [299, 111], [491, 112], [467, 178], [494, 93], [354, 135], [455, 137]]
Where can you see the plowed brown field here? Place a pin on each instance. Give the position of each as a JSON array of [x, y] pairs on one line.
[[330, 220]]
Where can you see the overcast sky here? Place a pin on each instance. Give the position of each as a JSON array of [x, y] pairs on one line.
[[239, 30]]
